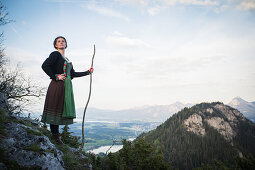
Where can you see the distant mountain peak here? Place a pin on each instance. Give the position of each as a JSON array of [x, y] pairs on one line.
[[247, 108], [237, 101], [179, 103]]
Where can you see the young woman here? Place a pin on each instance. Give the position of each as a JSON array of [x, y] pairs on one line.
[[59, 107]]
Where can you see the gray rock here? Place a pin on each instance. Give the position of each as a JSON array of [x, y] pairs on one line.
[[195, 124], [26, 119], [18, 148], [225, 123], [222, 127]]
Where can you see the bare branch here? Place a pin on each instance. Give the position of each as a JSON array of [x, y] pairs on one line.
[[4, 15], [19, 89]]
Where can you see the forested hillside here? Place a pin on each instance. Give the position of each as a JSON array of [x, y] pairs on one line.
[[202, 134]]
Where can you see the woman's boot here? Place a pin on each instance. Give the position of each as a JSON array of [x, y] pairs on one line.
[[57, 139]]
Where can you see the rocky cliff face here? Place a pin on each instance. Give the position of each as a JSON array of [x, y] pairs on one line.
[[194, 124], [221, 117], [28, 147], [24, 144]]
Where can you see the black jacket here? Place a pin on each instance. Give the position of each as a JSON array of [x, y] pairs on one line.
[[54, 65]]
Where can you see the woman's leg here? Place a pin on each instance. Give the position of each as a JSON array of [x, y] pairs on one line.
[[54, 129], [55, 134]]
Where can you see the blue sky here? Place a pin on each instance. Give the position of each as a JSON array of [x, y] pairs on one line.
[[148, 52]]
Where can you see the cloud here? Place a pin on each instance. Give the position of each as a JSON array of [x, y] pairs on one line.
[[135, 2], [189, 2], [247, 5], [168, 2], [239, 4], [155, 6], [120, 40], [107, 12], [153, 11], [18, 55], [25, 23], [163, 68], [67, 1], [116, 33]]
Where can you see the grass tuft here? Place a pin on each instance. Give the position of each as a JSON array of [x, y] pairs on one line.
[[51, 151], [34, 148], [34, 132]]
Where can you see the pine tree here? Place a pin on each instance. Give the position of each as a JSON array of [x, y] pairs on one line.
[[68, 138]]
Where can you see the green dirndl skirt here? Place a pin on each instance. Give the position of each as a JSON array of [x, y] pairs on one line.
[[69, 106], [59, 107]]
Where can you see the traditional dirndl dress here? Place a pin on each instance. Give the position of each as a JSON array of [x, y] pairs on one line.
[[59, 107]]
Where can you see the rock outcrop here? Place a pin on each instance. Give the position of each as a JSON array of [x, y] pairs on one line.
[[222, 127], [194, 124], [221, 117], [25, 144], [29, 148]]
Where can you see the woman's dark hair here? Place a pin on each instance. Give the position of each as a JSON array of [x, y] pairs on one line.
[[55, 41]]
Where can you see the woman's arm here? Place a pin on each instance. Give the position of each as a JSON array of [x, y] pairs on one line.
[[79, 74], [48, 63]]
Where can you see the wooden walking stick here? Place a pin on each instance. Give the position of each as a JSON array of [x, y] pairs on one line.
[[83, 138]]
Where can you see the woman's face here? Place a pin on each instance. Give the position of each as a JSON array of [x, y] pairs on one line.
[[60, 43]]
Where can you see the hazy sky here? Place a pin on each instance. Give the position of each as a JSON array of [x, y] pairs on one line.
[[148, 51]]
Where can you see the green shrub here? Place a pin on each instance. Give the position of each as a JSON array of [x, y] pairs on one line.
[[67, 138], [72, 160], [34, 132], [34, 148]]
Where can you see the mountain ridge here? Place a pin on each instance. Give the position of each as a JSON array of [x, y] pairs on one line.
[[159, 113], [247, 108], [155, 113], [202, 133]]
